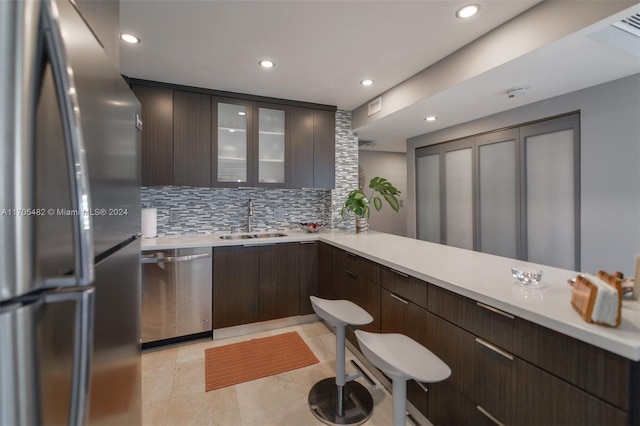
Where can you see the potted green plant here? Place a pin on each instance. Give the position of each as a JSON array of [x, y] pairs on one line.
[[358, 204]]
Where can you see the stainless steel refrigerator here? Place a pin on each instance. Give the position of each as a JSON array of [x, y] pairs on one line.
[[69, 224]]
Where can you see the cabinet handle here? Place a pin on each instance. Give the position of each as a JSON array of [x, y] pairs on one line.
[[489, 416], [353, 274], [307, 242], [351, 254], [423, 387], [494, 348], [402, 274], [494, 310], [399, 298], [259, 245]]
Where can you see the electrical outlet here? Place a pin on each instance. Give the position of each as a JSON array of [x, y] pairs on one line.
[[279, 215], [173, 216]]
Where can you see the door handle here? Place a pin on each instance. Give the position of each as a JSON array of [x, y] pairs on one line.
[[352, 274], [494, 348], [489, 416], [494, 310], [399, 298], [402, 274], [72, 128]]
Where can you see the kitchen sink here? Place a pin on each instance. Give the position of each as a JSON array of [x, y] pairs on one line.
[[252, 236]]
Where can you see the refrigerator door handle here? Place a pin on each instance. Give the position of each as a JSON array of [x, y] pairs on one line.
[[76, 156], [82, 350]]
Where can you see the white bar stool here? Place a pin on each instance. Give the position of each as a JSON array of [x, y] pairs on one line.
[[340, 400], [401, 358]]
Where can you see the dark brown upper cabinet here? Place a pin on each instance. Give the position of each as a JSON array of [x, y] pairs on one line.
[[157, 134], [203, 138], [191, 139]]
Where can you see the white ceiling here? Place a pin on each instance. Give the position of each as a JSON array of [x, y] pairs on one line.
[[323, 49]]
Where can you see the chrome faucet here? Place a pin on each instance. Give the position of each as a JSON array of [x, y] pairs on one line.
[[249, 214]]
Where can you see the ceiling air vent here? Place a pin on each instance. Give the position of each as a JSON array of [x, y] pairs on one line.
[[630, 24]]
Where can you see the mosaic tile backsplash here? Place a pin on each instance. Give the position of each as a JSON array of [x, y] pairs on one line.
[[188, 210]]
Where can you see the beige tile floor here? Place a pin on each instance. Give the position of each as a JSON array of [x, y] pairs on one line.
[[173, 389]]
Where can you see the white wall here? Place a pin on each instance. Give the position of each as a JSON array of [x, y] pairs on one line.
[[393, 167], [610, 166]]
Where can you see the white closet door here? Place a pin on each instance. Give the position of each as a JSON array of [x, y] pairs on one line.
[[498, 198], [428, 197], [459, 198], [550, 191]]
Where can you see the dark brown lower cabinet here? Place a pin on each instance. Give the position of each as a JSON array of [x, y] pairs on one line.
[[398, 315], [543, 399], [478, 369], [325, 279], [279, 281], [350, 285], [236, 286], [507, 388], [252, 284], [450, 407], [308, 253]]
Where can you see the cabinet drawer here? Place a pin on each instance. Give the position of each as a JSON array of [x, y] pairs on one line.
[[480, 370], [362, 292], [404, 286], [480, 319], [450, 407], [543, 399], [358, 265], [595, 370]]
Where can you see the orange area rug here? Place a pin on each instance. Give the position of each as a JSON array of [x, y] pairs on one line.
[[241, 362]]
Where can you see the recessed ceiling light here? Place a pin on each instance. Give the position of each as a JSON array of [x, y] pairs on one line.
[[242, 113], [367, 82], [265, 63], [431, 118], [467, 11], [129, 38]]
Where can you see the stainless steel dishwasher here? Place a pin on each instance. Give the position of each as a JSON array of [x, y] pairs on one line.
[[176, 293]]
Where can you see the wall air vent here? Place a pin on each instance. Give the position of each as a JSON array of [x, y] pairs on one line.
[[630, 24], [367, 142], [375, 106]]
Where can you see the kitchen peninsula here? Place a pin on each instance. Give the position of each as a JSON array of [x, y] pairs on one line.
[[522, 356]]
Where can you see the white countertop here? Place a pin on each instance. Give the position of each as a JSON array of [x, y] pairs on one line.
[[479, 276]]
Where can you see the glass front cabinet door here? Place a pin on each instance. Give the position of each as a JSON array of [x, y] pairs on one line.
[[249, 144], [271, 145], [232, 143]]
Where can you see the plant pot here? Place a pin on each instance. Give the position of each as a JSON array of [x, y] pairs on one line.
[[362, 224]]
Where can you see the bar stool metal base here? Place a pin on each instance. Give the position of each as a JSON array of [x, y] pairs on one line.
[[357, 403]]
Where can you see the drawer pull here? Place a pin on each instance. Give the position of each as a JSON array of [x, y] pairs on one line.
[[399, 298], [351, 254], [497, 311], [307, 242], [423, 387], [353, 274], [494, 348], [489, 416], [402, 274]]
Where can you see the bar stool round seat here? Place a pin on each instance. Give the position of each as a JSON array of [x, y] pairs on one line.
[[339, 400], [401, 358]]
